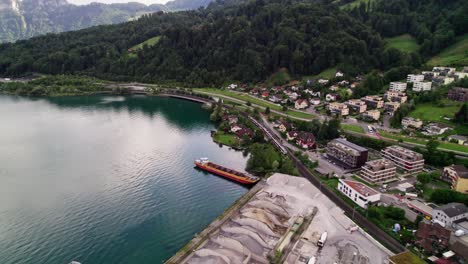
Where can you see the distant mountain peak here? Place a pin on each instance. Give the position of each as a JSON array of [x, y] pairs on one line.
[[11, 5]]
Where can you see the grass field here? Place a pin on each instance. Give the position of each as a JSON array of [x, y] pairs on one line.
[[326, 74], [256, 101], [405, 43], [454, 55], [226, 139], [431, 112], [353, 128], [150, 42]]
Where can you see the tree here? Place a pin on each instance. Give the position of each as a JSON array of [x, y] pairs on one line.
[[461, 116], [267, 110], [285, 108], [432, 145], [424, 178]]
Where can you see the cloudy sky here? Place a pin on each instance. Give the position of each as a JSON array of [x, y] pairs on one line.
[[82, 2]]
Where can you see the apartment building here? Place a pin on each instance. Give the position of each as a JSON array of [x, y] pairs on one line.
[[371, 115], [378, 171], [458, 94], [398, 86], [396, 97], [338, 109], [359, 193], [405, 159], [443, 70], [457, 176], [411, 122], [373, 101], [357, 106], [391, 107], [415, 78], [422, 86], [347, 153]]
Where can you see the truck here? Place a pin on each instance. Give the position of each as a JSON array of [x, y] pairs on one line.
[[322, 240]]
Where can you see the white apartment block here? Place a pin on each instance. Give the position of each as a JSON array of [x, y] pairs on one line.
[[372, 114], [405, 159], [360, 193], [411, 122], [378, 171], [338, 108], [415, 78], [398, 86], [422, 86]]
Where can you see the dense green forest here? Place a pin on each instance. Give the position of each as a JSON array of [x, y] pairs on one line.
[[245, 41]]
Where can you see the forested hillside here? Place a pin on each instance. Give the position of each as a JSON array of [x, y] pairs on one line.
[[246, 42]]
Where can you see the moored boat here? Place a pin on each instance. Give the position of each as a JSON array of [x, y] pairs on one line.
[[206, 165]]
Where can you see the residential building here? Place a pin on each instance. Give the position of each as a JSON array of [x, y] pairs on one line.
[[360, 193], [391, 107], [265, 94], [244, 132], [449, 213], [432, 237], [343, 83], [301, 104], [315, 101], [339, 74], [322, 81], [457, 176], [407, 160], [398, 86], [443, 70], [357, 105], [291, 135], [284, 127], [442, 80], [396, 97], [232, 86], [235, 128], [433, 129], [371, 115], [460, 75], [305, 140], [348, 153], [415, 78], [378, 171], [373, 101], [429, 75], [422, 86], [458, 94], [407, 122], [459, 139], [331, 97], [334, 88], [338, 109], [274, 99]]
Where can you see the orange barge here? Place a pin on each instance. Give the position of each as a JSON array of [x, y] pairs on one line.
[[206, 165]]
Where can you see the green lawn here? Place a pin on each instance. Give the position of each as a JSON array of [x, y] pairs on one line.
[[256, 101], [326, 74], [431, 112], [454, 55], [226, 139], [150, 42], [353, 128], [429, 188], [405, 43]]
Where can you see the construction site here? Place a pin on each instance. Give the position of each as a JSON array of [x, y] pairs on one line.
[[282, 221]]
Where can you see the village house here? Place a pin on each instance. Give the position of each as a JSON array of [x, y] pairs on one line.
[[354, 85], [265, 95], [371, 115], [357, 105], [343, 83], [231, 119], [373, 101], [236, 127], [458, 94], [449, 213], [399, 97], [358, 192], [254, 92], [459, 139], [232, 86], [415, 78], [323, 81], [291, 135], [334, 88], [422, 86], [301, 104], [274, 99], [314, 101], [331, 97], [457, 176], [293, 96], [407, 122], [338, 109], [398, 86], [433, 129], [391, 107], [305, 140], [339, 74], [244, 132], [284, 126]]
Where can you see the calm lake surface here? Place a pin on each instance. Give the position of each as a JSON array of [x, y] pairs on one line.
[[106, 179]]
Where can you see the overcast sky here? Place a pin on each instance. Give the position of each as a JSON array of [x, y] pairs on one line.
[[83, 2]]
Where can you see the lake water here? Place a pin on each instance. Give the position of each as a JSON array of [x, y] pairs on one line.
[[106, 179]]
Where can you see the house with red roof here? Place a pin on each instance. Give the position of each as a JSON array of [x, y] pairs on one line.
[[301, 104], [359, 193], [305, 140]]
